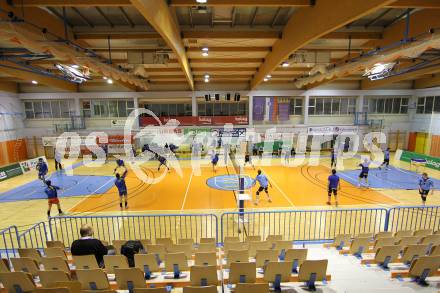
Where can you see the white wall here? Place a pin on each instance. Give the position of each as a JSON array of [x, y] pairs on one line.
[[11, 117]]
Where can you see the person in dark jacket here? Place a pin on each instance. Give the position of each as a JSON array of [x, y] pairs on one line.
[[87, 245]]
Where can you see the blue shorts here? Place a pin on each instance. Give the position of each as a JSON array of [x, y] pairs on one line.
[[123, 193]]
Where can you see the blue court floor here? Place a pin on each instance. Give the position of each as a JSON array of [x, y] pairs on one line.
[[72, 186], [395, 178]]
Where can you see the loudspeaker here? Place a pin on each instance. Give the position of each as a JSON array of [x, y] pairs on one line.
[[217, 97], [237, 97], [207, 98], [228, 97]]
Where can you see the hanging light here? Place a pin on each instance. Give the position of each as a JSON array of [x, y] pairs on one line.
[[285, 64], [268, 76], [379, 70], [110, 81], [35, 82], [206, 80], [202, 1], [207, 76], [266, 79], [104, 77], [205, 51]]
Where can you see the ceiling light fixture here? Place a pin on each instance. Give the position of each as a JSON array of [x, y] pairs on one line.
[[104, 77], [74, 74], [285, 64], [207, 76], [379, 70], [269, 76], [75, 66], [201, 1], [266, 79], [35, 82], [109, 81], [206, 80]]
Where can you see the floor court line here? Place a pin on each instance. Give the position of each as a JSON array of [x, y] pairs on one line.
[[281, 191], [79, 202], [186, 192]]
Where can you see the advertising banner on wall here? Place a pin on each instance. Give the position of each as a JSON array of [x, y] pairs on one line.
[[234, 132], [199, 120], [10, 171], [52, 141], [29, 165], [431, 162], [118, 123], [330, 130]]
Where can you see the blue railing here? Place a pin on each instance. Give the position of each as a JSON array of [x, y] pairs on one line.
[[109, 228], [9, 242], [304, 225]]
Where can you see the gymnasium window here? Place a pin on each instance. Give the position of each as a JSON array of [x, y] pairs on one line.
[[106, 108], [428, 105], [47, 109], [334, 106], [387, 105], [296, 106], [222, 109], [167, 110]]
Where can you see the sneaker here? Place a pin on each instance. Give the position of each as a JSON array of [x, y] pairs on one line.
[[269, 199], [61, 214], [329, 203], [256, 202], [359, 185]]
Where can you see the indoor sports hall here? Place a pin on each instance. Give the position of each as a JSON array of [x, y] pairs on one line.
[[204, 146]]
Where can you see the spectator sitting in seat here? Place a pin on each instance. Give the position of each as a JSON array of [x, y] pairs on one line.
[[129, 249], [87, 245]]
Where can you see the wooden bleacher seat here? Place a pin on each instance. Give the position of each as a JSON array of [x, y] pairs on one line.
[[341, 240], [253, 238], [193, 289], [313, 270], [258, 245], [17, 282], [208, 240], [25, 264], [55, 264], [383, 234], [187, 249], [98, 291], [383, 242], [422, 232], [176, 260], [281, 246], [236, 256], [274, 238], [30, 252], [364, 235], [231, 239], [423, 267], [53, 290], [254, 288], [74, 286], [437, 232], [147, 263], [407, 240], [113, 262], [189, 241], [48, 277], [242, 273], [205, 259], [265, 256], [150, 290], [95, 279], [85, 262], [167, 242], [435, 250], [403, 233], [158, 250], [4, 266], [359, 245], [204, 276], [235, 246], [117, 244], [413, 251], [296, 256], [128, 279], [55, 252], [277, 272], [55, 243], [145, 242], [207, 247], [387, 254], [431, 240]]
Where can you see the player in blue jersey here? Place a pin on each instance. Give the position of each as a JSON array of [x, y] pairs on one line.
[[52, 197], [334, 185], [42, 169], [122, 189], [248, 160], [162, 161], [264, 185], [333, 158], [120, 168], [365, 168], [386, 160], [425, 185], [214, 160]]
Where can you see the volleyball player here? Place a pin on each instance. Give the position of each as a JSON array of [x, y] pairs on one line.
[[214, 160], [425, 185], [264, 185], [365, 168], [42, 170], [52, 197], [120, 168], [386, 160], [162, 161], [248, 160], [122, 189], [333, 158], [334, 185]]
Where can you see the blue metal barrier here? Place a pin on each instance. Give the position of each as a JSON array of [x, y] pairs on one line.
[[34, 237], [303, 225], [9, 242], [109, 228], [413, 218]]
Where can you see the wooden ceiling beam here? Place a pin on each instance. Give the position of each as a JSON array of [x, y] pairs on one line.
[[72, 3], [158, 15], [427, 82], [418, 4], [297, 35], [243, 3], [8, 86]]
